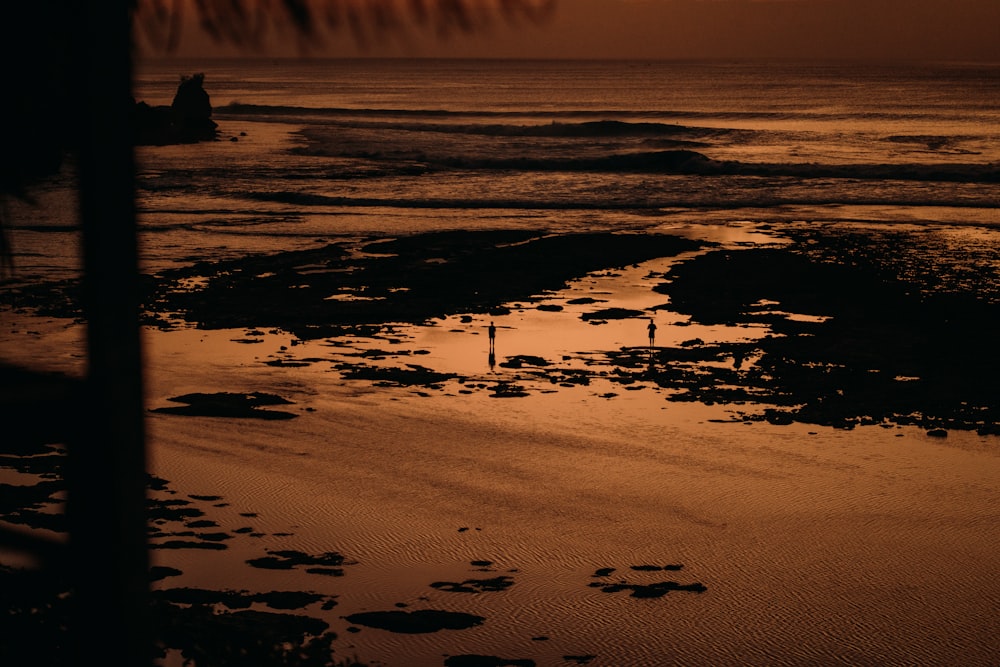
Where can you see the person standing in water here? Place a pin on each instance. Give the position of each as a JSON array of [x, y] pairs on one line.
[[493, 336], [652, 332]]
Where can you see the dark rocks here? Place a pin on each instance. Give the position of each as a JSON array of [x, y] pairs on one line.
[[640, 590], [416, 622], [612, 314], [287, 559], [654, 590], [227, 404], [239, 600], [522, 360], [443, 273], [860, 337], [250, 637], [188, 544], [508, 390], [472, 660], [160, 572], [500, 583], [412, 375], [187, 120]]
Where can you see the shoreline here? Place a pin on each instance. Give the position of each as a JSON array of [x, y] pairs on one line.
[[812, 542], [835, 327]]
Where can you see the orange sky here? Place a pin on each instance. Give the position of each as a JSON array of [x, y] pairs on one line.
[[648, 29]]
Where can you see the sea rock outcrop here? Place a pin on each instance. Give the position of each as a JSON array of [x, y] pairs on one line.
[[187, 120]]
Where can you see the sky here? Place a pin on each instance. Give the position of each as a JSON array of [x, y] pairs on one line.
[[962, 30]]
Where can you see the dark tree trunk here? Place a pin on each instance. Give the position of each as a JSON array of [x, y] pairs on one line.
[[107, 461]]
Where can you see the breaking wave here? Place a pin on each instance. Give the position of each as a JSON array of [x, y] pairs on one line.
[[677, 162], [421, 141], [691, 162]]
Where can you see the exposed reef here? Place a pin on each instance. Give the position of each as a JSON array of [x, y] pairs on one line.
[[314, 293], [228, 404], [864, 326]]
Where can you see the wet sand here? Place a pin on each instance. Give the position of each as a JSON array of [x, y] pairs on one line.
[[781, 479], [869, 547]]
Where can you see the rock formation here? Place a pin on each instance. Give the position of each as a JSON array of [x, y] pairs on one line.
[[187, 120]]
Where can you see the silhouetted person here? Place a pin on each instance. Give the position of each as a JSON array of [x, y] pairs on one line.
[[493, 337], [652, 332]]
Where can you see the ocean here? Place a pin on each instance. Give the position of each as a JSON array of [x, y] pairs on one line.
[[387, 146], [552, 503], [317, 147]]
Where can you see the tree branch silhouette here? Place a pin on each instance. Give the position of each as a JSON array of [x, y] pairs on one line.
[[246, 24]]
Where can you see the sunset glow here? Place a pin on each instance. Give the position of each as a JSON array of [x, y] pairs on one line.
[[639, 29], [502, 333]]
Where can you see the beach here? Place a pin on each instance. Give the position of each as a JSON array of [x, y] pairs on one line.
[[815, 544], [808, 556], [552, 518], [799, 468]]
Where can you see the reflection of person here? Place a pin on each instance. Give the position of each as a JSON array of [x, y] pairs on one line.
[[652, 332], [493, 336]]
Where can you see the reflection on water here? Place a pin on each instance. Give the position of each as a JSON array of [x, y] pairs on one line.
[[807, 539], [801, 535], [553, 335]]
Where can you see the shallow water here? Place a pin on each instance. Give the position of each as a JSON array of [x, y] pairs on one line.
[[816, 545]]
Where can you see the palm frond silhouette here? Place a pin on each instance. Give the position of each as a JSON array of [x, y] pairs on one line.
[[313, 23]]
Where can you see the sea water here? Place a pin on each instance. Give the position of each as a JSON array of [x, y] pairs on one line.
[[363, 146], [313, 148]]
